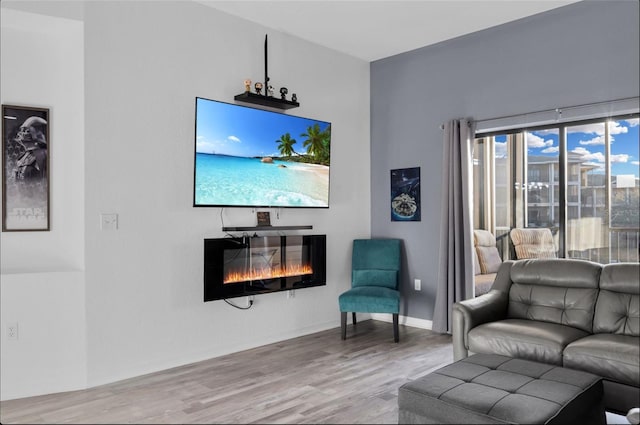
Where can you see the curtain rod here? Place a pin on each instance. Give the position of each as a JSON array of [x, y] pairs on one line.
[[557, 110]]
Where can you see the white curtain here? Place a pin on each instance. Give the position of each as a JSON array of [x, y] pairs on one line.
[[455, 268]]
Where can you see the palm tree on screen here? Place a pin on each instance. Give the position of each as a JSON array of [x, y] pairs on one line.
[[315, 140], [285, 145]]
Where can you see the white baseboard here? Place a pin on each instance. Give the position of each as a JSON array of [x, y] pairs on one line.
[[404, 320]]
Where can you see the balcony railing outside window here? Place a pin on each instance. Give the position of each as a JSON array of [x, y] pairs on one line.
[[572, 178]]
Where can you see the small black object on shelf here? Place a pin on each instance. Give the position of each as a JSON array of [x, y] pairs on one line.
[[267, 98]]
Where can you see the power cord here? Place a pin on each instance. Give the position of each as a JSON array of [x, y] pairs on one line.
[[237, 306]]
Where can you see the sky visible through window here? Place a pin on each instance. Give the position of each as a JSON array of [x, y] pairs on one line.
[[588, 142]]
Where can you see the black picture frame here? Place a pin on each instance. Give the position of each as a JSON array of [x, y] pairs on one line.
[[25, 167], [405, 194]]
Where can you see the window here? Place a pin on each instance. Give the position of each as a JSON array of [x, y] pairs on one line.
[[579, 179]]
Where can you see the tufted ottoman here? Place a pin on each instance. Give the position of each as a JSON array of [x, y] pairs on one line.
[[488, 388]]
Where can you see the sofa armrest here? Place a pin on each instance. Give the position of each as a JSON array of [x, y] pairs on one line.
[[489, 307]]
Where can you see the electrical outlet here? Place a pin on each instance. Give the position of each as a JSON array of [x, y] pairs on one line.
[[417, 284], [12, 331], [291, 294]]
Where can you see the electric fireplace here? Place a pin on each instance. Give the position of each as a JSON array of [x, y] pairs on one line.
[[242, 266]]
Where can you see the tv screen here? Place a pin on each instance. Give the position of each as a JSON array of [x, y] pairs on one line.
[[247, 157]]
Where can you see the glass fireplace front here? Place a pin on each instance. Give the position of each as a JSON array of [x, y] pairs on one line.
[[236, 267]]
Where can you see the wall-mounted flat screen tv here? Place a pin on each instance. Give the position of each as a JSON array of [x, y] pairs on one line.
[[248, 157]]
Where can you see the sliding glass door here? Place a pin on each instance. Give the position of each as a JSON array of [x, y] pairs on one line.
[[580, 180]]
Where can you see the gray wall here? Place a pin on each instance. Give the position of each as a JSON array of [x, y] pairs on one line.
[[582, 53]]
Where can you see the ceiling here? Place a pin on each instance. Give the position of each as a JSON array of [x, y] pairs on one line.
[[366, 29], [374, 29]]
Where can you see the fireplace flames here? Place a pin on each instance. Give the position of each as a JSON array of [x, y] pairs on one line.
[[268, 273]]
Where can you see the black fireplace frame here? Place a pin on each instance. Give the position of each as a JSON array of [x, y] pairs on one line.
[[215, 289]]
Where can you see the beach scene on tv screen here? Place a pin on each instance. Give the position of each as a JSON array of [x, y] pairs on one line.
[[252, 157]]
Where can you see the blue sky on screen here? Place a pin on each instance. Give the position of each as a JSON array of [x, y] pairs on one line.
[[229, 129], [588, 141]]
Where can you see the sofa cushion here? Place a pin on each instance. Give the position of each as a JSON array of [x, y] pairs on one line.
[[617, 313], [556, 291], [565, 273], [621, 277], [564, 306], [614, 357], [618, 305], [524, 339]]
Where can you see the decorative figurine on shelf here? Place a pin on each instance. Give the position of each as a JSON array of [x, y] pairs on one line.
[[258, 87], [294, 98], [247, 85], [283, 93], [270, 90]]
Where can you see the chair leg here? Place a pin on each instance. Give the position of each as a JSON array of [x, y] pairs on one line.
[[353, 316], [343, 324], [396, 336]]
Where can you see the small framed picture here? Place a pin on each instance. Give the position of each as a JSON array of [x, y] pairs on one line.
[[405, 194], [264, 218], [25, 166]]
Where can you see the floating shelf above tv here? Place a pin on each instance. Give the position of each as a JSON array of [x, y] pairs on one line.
[[274, 228], [271, 101], [265, 99]]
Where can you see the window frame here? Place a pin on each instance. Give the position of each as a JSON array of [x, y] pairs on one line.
[[517, 149]]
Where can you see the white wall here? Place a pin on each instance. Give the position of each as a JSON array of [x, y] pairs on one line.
[[42, 65], [42, 280], [50, 353], [144, 64]]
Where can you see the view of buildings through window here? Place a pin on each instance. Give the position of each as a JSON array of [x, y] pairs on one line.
[[581, 180]]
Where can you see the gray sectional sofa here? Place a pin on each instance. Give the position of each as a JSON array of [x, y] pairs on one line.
[[572, 313]]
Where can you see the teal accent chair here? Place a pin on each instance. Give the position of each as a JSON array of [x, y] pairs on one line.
[[375, 274]]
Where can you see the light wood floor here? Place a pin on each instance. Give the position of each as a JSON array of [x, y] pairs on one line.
[[316, 378]]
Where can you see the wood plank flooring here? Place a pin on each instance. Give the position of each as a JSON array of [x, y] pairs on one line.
[[316, 378]]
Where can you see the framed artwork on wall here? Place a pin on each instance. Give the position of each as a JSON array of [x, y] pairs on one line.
[[405, 194], [25, 164]]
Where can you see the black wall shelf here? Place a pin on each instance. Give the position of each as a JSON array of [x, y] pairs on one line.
[[271, 101], [273, 228]]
